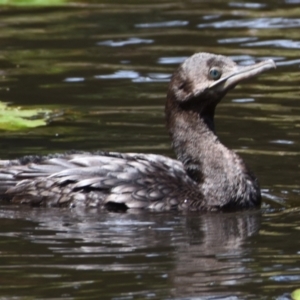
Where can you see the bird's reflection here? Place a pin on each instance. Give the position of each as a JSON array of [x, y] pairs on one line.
[[196, 255], [212, 256]]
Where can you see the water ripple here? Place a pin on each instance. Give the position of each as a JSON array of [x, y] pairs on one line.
[[286, 278], [171, 60], [247, 5], [283, 142], [74, 79], [255, 23], [237, 40], [290, 44], [136, 77], [175, 23], [130, 41], [292, 1], [248, 59], [122, 74], [243, 100], [154, 77]]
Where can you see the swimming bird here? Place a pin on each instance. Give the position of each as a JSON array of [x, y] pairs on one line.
[[206, 176]]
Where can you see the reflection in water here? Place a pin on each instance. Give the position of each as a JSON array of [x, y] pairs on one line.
[[191, 254], [212, 258]]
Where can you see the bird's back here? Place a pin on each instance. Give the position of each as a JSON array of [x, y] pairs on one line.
[[101, 179]]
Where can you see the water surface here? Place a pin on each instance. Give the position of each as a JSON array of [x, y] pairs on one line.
[[99, 71]]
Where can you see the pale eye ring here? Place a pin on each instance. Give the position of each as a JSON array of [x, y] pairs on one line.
[[214, 73]]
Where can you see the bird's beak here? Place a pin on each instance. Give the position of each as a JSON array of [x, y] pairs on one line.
[[240, 73]]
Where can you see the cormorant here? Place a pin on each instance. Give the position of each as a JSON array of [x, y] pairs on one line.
[[207, 175]]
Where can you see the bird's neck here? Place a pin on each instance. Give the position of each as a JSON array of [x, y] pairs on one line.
[[221, 175]]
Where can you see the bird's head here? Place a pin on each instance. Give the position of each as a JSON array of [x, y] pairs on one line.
[[203, 79]]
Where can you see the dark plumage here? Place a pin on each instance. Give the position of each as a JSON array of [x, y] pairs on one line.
[[206, 176]]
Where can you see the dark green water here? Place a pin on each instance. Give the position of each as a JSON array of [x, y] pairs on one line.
[[100, 69]]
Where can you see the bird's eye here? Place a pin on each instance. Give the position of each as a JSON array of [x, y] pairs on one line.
[[214, 74]]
